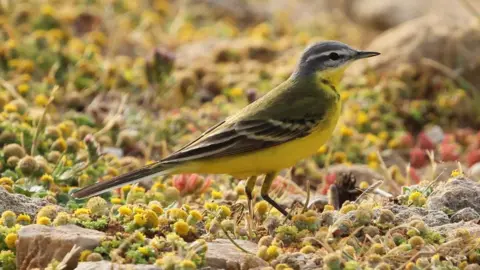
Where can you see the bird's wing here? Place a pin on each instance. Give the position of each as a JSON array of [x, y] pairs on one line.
[[242, 137]]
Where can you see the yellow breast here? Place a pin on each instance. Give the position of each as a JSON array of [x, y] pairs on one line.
[[271, 159]]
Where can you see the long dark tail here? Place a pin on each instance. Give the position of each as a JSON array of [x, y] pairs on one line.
[[150, 170]]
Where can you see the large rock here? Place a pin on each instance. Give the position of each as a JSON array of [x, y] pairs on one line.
[[385, 14], [298, 260], [448, 42], [106, 265], [450, 230], [455, 195], [466, 214], [37, 244], [405, 214], [20, 204], [222, 254]]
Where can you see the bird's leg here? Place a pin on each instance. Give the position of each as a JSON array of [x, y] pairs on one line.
[[267, 183], [250, 185]]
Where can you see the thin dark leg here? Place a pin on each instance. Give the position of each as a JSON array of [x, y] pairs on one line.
[[267, 183], [249, 186]]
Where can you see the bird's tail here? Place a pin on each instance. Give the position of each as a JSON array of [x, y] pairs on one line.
[[151, 170]]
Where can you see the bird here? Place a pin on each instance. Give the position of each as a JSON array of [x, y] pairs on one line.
[[287, 124]]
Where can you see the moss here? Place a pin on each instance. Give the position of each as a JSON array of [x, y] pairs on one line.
[[13, 150], [97, 206]]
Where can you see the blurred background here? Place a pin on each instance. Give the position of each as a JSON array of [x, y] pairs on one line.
[[144, 77]]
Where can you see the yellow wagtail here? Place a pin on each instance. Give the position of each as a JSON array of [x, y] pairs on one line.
[[289, 123]]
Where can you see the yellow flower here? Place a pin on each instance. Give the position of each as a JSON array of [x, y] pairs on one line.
[[126, 188], [261, 207], [41, 100], [224, 211], [140, 236], [138, 210], [23, 219], [116, 201], [10, 107], [328, 207], [262, 30], [138, 189], [84, 254], [158, 186], [372, 156], [236, 92], [216, 194], [6, 181], [211, 206], [181, 228], [371, 138], [156, 207], [196, 215], [187, 264], [340, 157], [23, 88], [151, 218], [82, 211], [373, 164], [139, 219], [124, 210], [362, 118], [323, 149], [346, 131], [455, 173], [144, 250], [44, 221], [10, 240], [363, 185], [383, 135], [273, 252], [46, 178], [47, 10]]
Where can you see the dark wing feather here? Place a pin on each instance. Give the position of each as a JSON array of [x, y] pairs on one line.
[[243, 137]]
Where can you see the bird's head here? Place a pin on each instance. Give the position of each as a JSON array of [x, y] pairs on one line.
[[329, 59]]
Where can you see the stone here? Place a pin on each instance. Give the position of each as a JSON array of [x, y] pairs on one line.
[[455, 195], [106, 265], [37, 244], [449, 230], [474, 171], [385, 14], [466, 214], [222, 254], [405, 214], [20, 204], [394, 158], [428, 43], [297, 260]]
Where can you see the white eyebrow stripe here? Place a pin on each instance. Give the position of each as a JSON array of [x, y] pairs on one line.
[[340, 52]]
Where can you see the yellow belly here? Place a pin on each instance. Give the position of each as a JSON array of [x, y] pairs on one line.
[[268, 160]]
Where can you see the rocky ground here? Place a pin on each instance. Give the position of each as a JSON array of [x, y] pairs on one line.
[[93, 89]]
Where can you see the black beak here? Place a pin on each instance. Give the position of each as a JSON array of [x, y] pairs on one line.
[[365, 54]]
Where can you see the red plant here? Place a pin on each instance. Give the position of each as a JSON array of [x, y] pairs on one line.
[[407, 140], [418, 157], [414, 176], [449, 152], [189, 184], [473, 157], [424, 142], [329, 180]]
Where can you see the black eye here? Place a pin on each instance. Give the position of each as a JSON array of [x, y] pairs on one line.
[[334, 56]]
